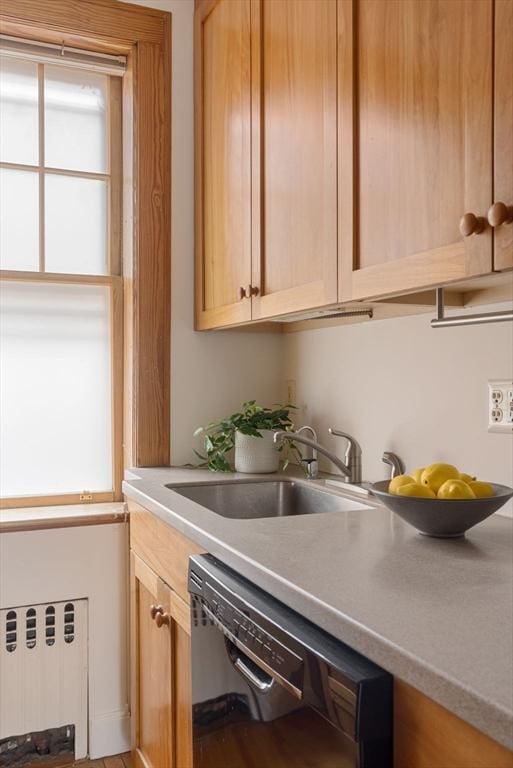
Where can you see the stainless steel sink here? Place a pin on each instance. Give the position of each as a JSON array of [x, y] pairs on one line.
[[274, 498]]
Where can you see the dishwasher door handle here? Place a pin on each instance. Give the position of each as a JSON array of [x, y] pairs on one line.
[[263, 685]]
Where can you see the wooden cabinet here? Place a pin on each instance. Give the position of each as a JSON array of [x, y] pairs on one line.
[[421, 76], [428, 736], [266, 158], [294, 131], [339, 145], [161, 704], [223, 162], [425, 734], [502, 218], [153, 650]]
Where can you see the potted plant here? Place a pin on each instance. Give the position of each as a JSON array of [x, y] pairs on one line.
[[250, 432]]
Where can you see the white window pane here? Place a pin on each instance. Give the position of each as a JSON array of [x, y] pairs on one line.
[[75, 225], [18, 111], [75, 119], [55, 389], [19, 220]]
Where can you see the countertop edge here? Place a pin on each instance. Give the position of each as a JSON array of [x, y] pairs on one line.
[[484, 715]]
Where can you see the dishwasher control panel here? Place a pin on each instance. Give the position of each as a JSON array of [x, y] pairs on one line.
[[246, 632], [251, 635]]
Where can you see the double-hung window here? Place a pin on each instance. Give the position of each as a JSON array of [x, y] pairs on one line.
[[61, 311]]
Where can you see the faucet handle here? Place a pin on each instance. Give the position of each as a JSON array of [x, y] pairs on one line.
[[311, 467], [394, 461], [353, 447]]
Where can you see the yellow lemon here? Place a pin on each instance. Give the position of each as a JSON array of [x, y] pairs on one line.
[[436, 474], [456, 489], [415, 489], [397, 481], [417, 474], [481, 489], [467, 478]]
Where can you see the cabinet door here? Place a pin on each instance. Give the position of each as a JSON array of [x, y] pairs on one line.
[[183, 694], [503, 138], [294, 135], [151, 670], [223, 162], [420, 77]]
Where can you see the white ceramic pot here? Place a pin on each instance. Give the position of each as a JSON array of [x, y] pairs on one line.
[[256, 455]]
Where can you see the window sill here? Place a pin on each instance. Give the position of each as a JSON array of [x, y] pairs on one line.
[[66, 516]]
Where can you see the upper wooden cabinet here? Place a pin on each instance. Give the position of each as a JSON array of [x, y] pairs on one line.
[[223, 162], [501, 215], [365, 131], [416, 149], [294, 132]]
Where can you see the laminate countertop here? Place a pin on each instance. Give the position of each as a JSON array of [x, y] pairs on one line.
[[437, 613]]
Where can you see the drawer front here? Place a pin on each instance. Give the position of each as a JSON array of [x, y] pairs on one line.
[[161, 547]]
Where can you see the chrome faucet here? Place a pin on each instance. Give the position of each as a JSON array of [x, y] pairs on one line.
[[351, 469], [310, 462]]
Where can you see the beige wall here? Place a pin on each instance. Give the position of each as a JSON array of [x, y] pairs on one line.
[[394, 384], [400, 385], [211, 373]]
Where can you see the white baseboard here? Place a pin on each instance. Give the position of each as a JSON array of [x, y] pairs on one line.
[[109, 734]]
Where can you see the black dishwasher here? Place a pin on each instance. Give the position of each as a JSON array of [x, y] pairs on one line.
[[272, 690]]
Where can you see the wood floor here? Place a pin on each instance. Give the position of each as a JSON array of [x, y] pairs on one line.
[[116, 761]]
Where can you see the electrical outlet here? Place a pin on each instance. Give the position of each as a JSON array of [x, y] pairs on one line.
[[291, 396], [500, 406]]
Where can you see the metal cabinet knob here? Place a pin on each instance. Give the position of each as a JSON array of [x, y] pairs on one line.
[[499, 213], [470, 224]]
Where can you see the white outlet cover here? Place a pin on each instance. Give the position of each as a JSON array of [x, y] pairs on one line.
[[500, 406]]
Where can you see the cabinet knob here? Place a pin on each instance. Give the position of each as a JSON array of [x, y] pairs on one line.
[[159, 617], [470, 224], [499, 213], [162, 618], [248, 292]]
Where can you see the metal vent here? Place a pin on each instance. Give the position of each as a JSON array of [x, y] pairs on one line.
[[69, 623], [50, 625], [10, 631], [30, 628]]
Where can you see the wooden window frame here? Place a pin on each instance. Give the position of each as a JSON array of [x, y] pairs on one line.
[[142, 292]]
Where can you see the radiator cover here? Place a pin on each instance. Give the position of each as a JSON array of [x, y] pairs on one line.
[[43, 669]]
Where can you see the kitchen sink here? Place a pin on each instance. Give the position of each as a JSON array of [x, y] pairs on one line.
[[273, 498]]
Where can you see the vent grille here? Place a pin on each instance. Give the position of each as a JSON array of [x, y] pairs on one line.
[[69, 623], [11, 626], [50, 625], [30, 628]]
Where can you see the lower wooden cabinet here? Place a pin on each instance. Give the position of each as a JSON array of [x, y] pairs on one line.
[[152, 668], [425, 734], [160, 641], [160, 672]]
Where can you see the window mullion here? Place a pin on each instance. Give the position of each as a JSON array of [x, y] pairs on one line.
[[41, 133]]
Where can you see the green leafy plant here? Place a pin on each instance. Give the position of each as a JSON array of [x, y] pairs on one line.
[[219, 436]]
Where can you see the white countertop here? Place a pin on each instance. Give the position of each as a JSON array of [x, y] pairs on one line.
[[438, 613]]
